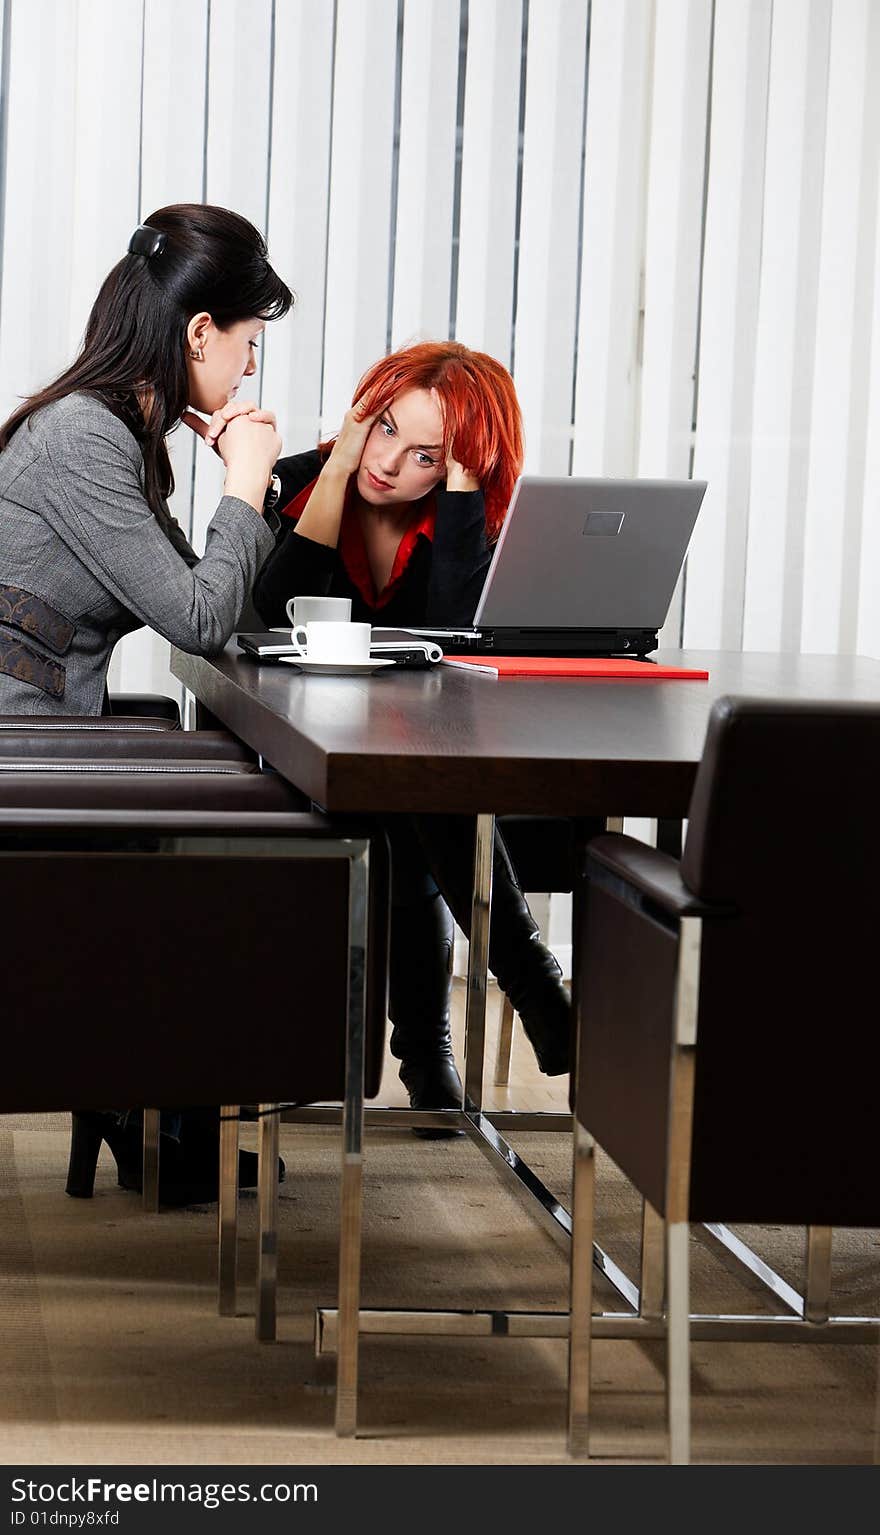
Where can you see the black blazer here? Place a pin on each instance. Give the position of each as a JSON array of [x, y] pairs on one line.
[[441, 584]]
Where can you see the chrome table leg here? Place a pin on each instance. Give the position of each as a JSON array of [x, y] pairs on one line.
[[478, 962]]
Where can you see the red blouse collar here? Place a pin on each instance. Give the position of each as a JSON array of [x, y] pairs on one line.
[[353, 550]]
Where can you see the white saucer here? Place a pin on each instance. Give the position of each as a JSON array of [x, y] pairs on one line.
[[337, 668]]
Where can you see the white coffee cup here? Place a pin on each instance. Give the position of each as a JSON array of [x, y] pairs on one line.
[[303, 610], [343, 642]]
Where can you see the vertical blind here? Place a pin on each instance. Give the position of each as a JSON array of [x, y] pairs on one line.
[[662, 214]]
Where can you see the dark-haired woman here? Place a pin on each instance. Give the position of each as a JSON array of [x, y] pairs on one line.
[[88, 549]]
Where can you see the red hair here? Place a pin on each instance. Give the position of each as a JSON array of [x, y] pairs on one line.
[[481, 414]]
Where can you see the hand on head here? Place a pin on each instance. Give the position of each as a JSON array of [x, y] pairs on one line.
[[349, 446], [457, 477]]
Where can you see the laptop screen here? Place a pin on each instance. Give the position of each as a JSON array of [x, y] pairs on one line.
[[589, 554]]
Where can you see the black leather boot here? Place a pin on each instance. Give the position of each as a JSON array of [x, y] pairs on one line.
[[188, 1167], [419, 989], [524, 967]]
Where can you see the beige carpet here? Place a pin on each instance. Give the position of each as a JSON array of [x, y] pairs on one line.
[[112, 1351]]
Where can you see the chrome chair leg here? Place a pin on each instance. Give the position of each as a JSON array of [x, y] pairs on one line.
[[581, 1292], [678, 1179], [678, 1388], [350, 1223], [652, 1280], [817, 1287], [227, 1213], [150, 1169], [351, 1193], [267, 1252], [877, 1417], [505, 1040]]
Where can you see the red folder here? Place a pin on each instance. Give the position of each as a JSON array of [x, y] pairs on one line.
[[612, 668]]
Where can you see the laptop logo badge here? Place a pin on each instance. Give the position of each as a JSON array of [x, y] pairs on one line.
[[603, 524]]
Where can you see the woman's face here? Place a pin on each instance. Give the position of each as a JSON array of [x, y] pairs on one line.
[[403, 456], [228, 356]]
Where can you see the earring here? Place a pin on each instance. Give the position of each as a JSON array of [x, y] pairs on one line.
[[197, 355]]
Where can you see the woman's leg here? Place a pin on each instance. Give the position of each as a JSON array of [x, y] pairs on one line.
[[524, 967], [420, 977]]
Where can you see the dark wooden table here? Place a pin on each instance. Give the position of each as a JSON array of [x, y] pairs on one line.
[[450, 741], [445, 740]]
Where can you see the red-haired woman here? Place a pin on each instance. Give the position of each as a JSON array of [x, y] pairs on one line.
[[399, 513]]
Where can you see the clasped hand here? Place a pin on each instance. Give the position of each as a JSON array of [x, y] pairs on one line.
[[241, 426]]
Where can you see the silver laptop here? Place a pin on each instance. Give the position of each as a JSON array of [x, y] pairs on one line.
[[582, 567]]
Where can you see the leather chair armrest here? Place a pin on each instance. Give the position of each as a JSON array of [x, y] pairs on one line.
[[154, 705], [59, 724], [120, 741], [623, 864], [103, 785]]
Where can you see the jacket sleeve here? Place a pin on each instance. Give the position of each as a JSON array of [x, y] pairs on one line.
[[179, 540], [460, 558], [97, 506]]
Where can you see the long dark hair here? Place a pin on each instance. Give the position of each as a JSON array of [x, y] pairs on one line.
[[133, 357]]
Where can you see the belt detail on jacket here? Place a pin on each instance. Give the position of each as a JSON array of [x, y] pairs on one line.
[[19, 661], [22, 610]]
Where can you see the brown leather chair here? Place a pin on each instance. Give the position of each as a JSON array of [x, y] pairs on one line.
[[127, 762], [258, 937], [728, 1049], [89, 769]]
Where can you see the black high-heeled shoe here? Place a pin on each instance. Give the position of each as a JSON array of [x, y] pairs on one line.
[[188, 1168]]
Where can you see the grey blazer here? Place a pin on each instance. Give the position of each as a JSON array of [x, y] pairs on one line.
[[83, 561]]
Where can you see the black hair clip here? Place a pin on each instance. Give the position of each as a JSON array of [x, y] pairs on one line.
[[147, 241]]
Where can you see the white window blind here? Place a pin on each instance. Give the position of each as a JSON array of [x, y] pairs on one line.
[[662, 213]]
